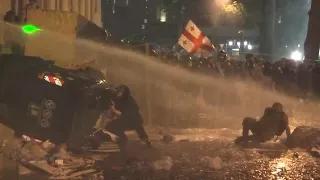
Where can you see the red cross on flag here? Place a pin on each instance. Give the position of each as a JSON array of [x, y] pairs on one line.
[[194, 41]]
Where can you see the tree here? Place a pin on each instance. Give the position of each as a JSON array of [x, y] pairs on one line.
[[242, 14]]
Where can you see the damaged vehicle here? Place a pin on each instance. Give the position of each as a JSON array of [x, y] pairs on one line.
[[48, 102]]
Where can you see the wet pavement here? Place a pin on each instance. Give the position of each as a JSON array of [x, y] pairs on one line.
[[205, 154], [208, 156]]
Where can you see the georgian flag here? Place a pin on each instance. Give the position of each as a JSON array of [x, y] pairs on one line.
[[194, 41]]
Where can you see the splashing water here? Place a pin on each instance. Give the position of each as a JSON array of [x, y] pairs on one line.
[[167, 95]]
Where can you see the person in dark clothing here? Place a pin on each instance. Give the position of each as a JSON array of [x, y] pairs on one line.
[[273, 123], [289, 78], [315, 79], [267, 68], [248, 66], [277, 76], [129, 118], [303, 80]]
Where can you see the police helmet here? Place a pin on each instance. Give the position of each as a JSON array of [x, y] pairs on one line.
[[222, 54]]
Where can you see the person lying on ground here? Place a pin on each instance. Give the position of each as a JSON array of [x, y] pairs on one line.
[[273, 123]]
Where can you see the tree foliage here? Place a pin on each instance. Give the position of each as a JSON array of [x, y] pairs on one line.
[[244, 14]]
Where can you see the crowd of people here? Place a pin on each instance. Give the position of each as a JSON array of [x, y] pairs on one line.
[[293, 78]]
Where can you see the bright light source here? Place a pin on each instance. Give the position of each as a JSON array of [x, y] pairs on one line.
[[30, 29], [298, 45], [230, 43], [236, 50], [163, 16], [245, 43], [250, 47], [239, 44], [296, 55]]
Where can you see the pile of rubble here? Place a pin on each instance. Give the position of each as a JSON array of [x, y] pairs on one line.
[[34, 159]]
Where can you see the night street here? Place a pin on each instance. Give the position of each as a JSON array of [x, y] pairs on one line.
[[160, 89], [199, 154], [206, 157]]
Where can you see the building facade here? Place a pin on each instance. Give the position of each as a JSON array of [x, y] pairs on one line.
[[91, 9], [131, 18], [124, 17]]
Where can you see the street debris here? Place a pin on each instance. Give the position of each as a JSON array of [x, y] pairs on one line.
[[165, 164], [192, 160], [315, 152], [62, 165], [168, 138], [215, 163]]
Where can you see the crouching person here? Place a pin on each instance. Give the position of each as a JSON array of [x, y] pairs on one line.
[[129, 118], [273, 123]]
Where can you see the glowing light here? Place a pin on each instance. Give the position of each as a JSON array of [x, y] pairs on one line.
[[163, 16], [250, 47], [30, 29], [296, 55], [245, 43], [230, 43], [232, 8], [239, 44]]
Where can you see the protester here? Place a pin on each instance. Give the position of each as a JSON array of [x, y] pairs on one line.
[[303, 80], [129, 118], [273, 123]]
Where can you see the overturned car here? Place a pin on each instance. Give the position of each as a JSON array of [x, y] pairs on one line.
[[48, 102]]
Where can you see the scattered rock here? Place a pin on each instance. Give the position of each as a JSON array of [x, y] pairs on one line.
[[215, 163], [304, 137], [168, 138], [165, 164], [315, 152]]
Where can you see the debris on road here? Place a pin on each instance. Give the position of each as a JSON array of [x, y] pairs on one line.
[[215, 163], [165, 164], [315, 152], [168, 138]]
